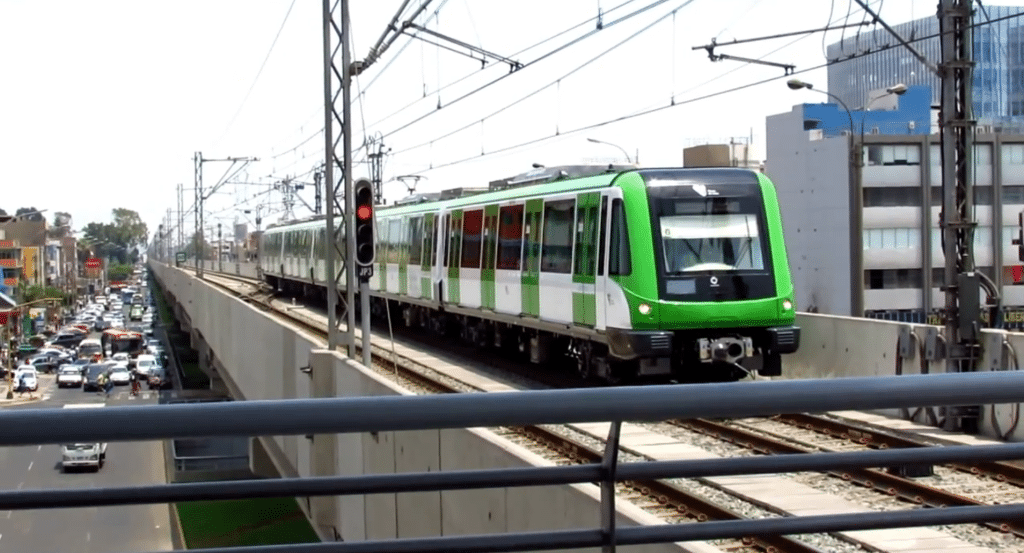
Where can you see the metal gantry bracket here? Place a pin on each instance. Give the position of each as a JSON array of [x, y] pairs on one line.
[[609, 464]]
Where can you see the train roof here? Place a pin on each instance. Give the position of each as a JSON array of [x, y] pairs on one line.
[[544, 181]]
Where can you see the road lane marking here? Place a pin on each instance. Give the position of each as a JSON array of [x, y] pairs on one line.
[[39, 448], [30, 465], [88, 536], [20, 485]]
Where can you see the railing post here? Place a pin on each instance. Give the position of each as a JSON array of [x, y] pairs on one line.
[[608, 465]]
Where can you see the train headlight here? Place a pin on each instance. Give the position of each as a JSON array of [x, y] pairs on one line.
[[644, 309], [787, 305]]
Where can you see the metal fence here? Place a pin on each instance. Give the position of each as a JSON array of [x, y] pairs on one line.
[[652, 403]]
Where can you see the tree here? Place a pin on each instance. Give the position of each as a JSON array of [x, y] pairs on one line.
[[31, 213], [61, 225], [3, 213], [118, 239]]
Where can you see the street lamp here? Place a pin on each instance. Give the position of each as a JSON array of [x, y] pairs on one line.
[[856, 207], [856, 197], [596, 141]]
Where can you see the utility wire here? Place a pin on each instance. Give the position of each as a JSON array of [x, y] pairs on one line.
[[258, 73], [689, 101], [528, 64]]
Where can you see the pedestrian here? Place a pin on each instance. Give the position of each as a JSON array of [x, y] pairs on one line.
[[135, 383], [101, 382], [22, 385], [109, 386]]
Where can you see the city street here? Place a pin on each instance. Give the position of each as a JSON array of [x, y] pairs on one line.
[[91, 529]]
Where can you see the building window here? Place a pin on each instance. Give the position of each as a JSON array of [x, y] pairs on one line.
[[892, 238], [892, 196], [890, 279], [893, 154]]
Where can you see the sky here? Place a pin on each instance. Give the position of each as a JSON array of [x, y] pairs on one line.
[[105, 104]]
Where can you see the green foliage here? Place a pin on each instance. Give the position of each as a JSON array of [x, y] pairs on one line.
[[119, 271], [36, 292], [118, 240]]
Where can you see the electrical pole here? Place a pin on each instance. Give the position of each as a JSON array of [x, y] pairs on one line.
[[198, 238], [377, 171], [220, 250], [181, 219], [318, 199], [962, 282], [339, 31]]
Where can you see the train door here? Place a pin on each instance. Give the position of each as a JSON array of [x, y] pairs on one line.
[[584, 300], [555, 280], [454, 251], [426, 262], [531, 258], [487, 268]]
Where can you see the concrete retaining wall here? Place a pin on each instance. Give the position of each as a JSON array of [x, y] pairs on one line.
[[259, 358]]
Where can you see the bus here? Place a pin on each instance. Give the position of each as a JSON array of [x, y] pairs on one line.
[[116, 341], [89, 348]]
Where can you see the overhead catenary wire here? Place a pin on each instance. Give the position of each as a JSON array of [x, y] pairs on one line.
[[525, 65], [661, 108], [258, 73], [546, 86]]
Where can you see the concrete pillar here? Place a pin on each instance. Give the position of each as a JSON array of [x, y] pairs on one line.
[[323, 455]]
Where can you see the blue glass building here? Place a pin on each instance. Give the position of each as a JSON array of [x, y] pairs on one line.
[[855, 75]]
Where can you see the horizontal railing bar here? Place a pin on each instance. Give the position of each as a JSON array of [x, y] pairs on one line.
[[494, 478], [667, 533], [389, 413]]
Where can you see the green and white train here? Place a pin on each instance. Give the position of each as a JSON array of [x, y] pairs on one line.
[[673, 274]]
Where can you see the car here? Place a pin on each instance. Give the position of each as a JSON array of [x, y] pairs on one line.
[[44, 363], [92, 375], [144, 364], [70, 376], [158, 379], [119, 375], [120, 356], [28, 376]]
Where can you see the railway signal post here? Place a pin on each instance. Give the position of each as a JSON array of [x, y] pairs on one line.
[[365, 254]]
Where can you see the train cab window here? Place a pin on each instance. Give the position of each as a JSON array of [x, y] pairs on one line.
[[427, 240], [490, 230], [618, 242], [472, 223], [416, 240], [556, 255], [510, 237]]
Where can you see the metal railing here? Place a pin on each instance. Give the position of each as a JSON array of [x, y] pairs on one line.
[[651, 403]]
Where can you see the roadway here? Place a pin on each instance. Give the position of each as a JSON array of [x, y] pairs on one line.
[[86, 529]]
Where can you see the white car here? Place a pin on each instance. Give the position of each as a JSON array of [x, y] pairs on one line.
[[120, 375], [145, 364], [28, 376], [70, 376], [120, 357]]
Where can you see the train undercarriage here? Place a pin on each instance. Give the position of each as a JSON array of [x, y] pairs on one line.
[[622, 357]]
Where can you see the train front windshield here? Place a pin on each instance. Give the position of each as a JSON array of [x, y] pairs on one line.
[[711, 241], [709, 235]]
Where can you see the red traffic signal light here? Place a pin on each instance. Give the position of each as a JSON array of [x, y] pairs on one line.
[[365, 247]]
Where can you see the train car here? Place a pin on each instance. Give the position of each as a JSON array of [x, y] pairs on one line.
[[672, 274]]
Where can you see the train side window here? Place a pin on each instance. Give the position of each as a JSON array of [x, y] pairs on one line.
[[603, 222], [455, 240], [381, 255], [618, 252], [416, 241], [586, 236], [472, 222], [394, 239], [510, 237], [556, 255], [489, 230]]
